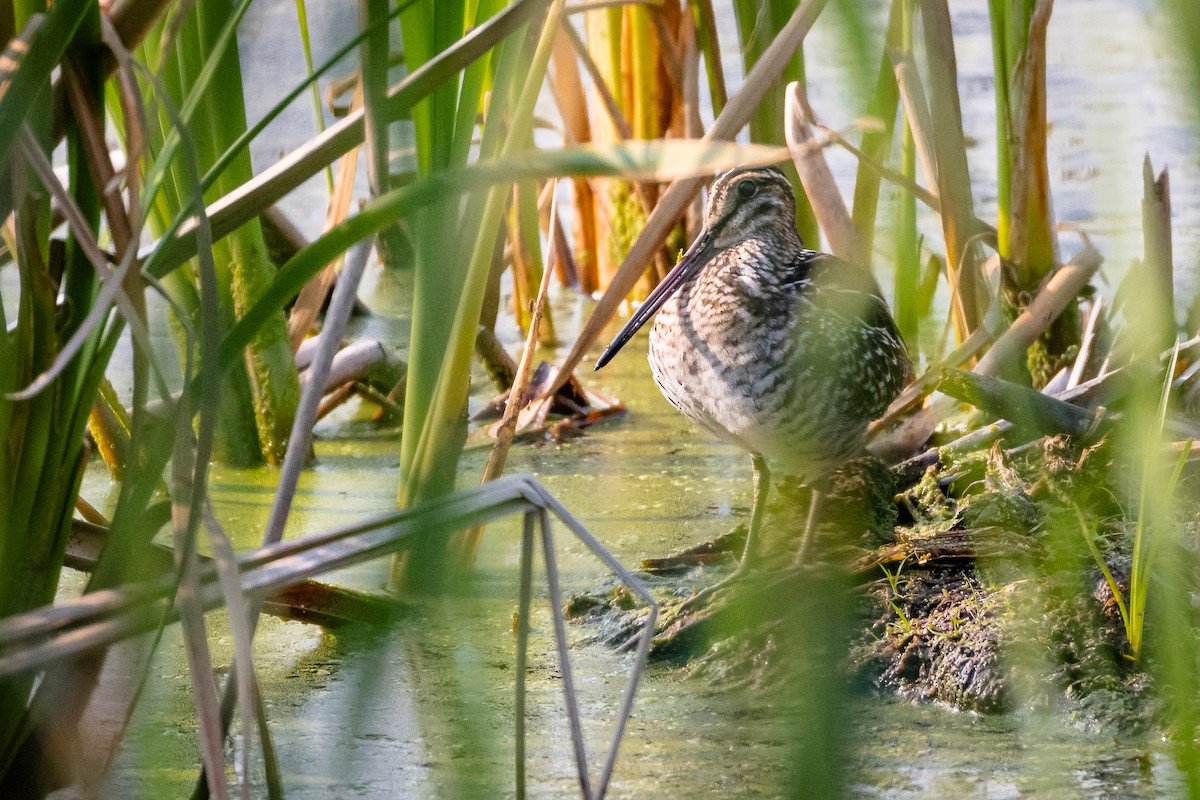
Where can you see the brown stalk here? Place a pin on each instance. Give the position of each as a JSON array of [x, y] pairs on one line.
[[671, 62], [565, 267], [133, 113], [1031, 217], [674, 200], [596, 5], [507, 426], [107, 420], [567, 88], [817, 179], [91, 131], [124, 229], [312, 296], [620, 123], [334, 400], [132, 20], [916, 111]]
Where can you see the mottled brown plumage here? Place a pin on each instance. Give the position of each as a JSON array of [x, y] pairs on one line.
[[784, 351]]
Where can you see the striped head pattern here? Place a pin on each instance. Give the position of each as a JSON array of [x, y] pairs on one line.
[[749, 202]]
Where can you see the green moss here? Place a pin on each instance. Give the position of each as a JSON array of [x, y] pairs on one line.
[[627, 222]]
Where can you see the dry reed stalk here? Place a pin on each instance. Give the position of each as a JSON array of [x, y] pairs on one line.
[[566, 268], [1086, 344], [312, 296], [817, 179], [571, 100], [507, 425], [916, 111], [899, 179]]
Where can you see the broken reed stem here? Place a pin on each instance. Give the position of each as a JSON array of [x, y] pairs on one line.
[[1157, 259], [817, 179], [1086, 344], [512, 409]]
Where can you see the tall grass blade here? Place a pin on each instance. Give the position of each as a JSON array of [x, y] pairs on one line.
[[878, 141], [245, 203], [314, 90], [430, 457], [39, 48]]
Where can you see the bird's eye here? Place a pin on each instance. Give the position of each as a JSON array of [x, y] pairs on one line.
[[747, 189]]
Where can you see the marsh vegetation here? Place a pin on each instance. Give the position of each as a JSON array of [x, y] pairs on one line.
[[199, 418]]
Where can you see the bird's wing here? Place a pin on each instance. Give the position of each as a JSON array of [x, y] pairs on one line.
[[856, 319], [842, 287]]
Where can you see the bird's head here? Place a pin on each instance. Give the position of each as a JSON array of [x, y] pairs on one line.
[[743, 203], [747, 203]]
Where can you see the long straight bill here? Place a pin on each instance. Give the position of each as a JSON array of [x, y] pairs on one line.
[[688, 266]]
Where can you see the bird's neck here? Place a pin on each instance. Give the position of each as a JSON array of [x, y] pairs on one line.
[[757, 263]]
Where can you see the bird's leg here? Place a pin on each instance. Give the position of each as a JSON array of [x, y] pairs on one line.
[[814, 506], [762, 484]]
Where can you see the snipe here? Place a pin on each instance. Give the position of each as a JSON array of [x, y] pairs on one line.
[[784, 351]]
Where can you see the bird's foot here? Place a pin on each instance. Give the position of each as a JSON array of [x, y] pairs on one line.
[[704, 596]]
